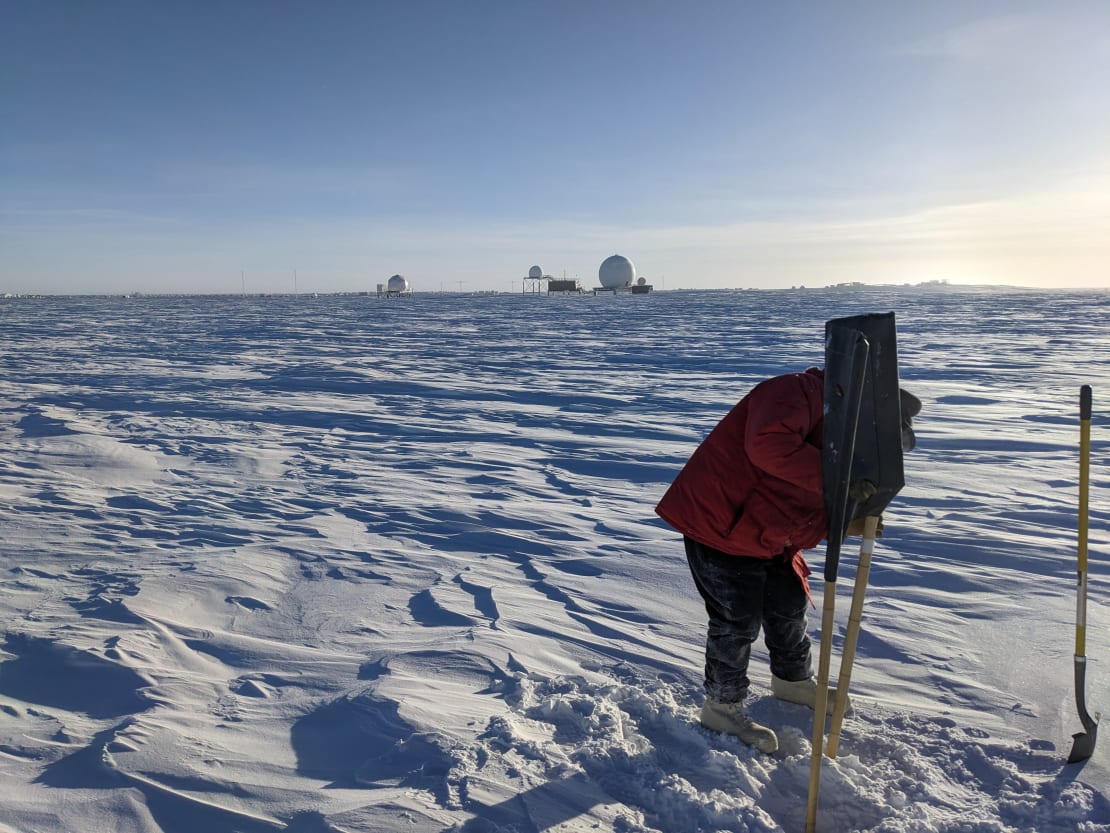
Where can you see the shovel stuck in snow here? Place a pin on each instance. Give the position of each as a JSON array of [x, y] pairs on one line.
[[862, 447], [1083, 745]]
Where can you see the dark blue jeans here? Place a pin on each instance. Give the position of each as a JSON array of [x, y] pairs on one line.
[[743, 594]]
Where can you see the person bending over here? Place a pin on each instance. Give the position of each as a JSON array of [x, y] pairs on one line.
[[747, 502]]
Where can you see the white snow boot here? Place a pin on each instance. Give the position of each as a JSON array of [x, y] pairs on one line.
[[803, 692], [731, 719]]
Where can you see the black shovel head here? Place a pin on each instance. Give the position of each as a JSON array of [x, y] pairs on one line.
[[1083, 743], [877, 450]]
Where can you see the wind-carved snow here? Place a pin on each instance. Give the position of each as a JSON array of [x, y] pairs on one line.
[[342, 564]]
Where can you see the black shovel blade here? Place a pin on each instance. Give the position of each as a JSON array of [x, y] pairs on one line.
[[877, 454], [876, 449], [1083, 743]]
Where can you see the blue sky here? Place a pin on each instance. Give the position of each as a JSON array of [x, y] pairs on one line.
[[200, 146]]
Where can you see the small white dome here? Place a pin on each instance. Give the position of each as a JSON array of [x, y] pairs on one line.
[[398, 283], [535, 272]]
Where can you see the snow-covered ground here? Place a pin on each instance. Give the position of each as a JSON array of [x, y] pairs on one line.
[[357, 564]]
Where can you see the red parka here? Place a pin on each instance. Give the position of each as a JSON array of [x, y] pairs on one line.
[[753, 487]]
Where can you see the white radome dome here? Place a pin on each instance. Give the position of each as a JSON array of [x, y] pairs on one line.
[[616, 271], [535, 272], [398, 283]]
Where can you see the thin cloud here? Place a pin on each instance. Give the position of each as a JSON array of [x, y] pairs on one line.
[[282, 179], [987, 39]]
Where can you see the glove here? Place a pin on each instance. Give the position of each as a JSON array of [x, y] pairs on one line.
[[910, 406], [909, 439], [861, 490], [856, 527]]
